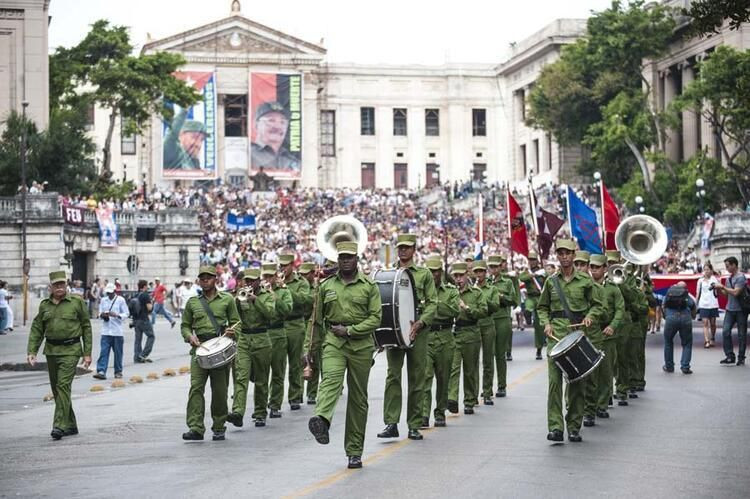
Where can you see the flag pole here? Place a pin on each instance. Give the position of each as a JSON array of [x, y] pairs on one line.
[[534, 220], [567, 208], [600, 183]]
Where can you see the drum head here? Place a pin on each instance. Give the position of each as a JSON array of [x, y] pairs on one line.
[[564, 344], [213, 345], [403, 291]]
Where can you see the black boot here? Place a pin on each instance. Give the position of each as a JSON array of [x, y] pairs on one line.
[[235, 418], [57, 433], [192, 435], [555, 436], [425, 422], [415, 435], [602, 414], [538, 354], [588, 421], [318, 426], [453, 407], [574, 436], [390, 431], [355, 462]]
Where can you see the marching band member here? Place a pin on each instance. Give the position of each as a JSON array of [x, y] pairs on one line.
[[487, 329], [269, 273], [502, 319], [533, 280], [307, 271]]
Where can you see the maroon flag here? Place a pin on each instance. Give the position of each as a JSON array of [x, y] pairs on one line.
[[548, 225], [519, 242]]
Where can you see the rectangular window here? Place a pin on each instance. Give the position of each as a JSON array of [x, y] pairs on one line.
[[478, 172], [399, 121], [432, 122], [127, 142], [235, 115], [327, 133], [523, 161], [537, 161], [367, 120], [400, 175], [90, 114], [479, 122], [368, 176]]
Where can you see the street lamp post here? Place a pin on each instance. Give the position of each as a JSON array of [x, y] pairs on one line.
[[24, 257], [700, 193]]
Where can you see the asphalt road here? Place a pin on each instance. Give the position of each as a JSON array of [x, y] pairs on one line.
[[686, 436]]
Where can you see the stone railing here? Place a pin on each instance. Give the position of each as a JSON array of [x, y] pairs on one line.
[[38, 206]]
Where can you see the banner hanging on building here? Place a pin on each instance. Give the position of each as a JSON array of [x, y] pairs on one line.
[[189, 140], [239, 223], [73, 215], [108, 233], [276, 124]]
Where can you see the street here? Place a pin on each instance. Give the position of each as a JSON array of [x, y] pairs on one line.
[[685, 436]]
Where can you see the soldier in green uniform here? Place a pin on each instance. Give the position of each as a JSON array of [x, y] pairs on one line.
[[294, 326], [253, 349], [196, 328], [581, 261], [635, 307], [517, 287], [533, 280], [502, 319], [62, 323], [440, 345], [611, 323], [278, 336], [416, 356], [468, 340], [585, 307], [638, 375], [349, 311], [487, 329], [307, 270]]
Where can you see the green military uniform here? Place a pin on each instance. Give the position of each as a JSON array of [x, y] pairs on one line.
[[196, 321], [636, 307], [583, 301], [277, 334], [440, 347], [503, 325], [468, 340], [416, 356], [614, 311], [62, 326], [316, 350], [533, 284], [253, 350], [638, 374], [294, 326], [357, 306], [487, 331]]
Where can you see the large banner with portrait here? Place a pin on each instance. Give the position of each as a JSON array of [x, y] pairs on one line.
[[276, 124], [189, 140]]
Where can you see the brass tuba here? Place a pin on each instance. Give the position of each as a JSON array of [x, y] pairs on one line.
[[641, 239], [337, 229]]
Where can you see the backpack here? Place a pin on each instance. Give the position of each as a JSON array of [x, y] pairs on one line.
[[744, 297], [677, 298], [134, 306]]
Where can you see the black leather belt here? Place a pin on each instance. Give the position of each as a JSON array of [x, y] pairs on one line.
[[277, 325], [465, 323], [440, 327], [331, 324], [576, 317], [65, 342], [292, 317], [254, 330]]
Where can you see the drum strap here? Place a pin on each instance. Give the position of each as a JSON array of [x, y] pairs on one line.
[[563, 300], [210, 314]]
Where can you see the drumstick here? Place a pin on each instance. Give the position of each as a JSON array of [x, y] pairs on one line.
[[576, 325], [554, 337]]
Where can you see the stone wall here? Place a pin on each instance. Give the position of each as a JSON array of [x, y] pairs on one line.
[[730, 237]]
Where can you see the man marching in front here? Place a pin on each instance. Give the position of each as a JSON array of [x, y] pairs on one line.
[[206, 317], [568, 297], [348, 313], [62, 322]]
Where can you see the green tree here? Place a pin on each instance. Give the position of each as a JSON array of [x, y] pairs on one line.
[[102, 68], [596, 93], [708, 16], [721, 94]]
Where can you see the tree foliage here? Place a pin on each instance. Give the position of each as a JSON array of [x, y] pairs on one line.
[[708, 16]]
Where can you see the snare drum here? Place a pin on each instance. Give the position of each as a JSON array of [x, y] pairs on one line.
[[216, 352], [576, 356], [399, 305]]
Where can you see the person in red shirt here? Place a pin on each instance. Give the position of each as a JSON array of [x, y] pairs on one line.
[[158, 296]]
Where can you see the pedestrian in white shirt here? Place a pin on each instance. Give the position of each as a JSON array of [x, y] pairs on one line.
[[708, 304], [187, 291], [112, 311]]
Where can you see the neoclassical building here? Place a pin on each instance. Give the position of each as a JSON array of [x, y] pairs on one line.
[[356, 125]]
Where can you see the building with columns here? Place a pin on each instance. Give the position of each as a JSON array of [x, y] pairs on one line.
[[370, 126], [24, 66]]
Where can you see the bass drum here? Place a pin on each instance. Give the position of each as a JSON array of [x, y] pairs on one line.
[[399, 305], [576, 356], [216, 352]]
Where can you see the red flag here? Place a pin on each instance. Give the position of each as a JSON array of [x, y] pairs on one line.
[[611, 218], [548, 224], [519, 241]]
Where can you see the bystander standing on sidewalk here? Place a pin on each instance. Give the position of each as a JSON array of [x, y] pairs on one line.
[[159, 295], [734, 287], [708, 304], [94, 296], [141, 314], [112, 311], [6, 317]]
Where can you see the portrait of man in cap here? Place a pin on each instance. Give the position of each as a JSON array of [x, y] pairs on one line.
[[184, 142], [268, 150]]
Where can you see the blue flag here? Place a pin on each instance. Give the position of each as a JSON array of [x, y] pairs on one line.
[[239, 223], [583, 224]]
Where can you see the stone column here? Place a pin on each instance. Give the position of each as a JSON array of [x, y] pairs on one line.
[[673, 136], [689, 118]]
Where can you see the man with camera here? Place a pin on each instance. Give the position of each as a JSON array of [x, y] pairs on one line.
[[112, 310], [736, 313]]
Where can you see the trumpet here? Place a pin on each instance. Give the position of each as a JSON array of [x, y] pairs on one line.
[[243, 294]]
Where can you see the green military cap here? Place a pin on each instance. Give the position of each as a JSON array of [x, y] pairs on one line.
[[270, 107], [479, 265], [567, 244], [253, 273], [346, 248], [598, 260], [286, 258], [57, 276], [207, 269], [495, 260], [613, 256], [306, 268], [434, 264], [406, 240], [240, 275], [459, 268], [533, 255], [582, 256], [269, 268], [194, 126]]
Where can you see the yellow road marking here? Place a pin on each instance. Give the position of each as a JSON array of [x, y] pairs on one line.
[[340, 475]]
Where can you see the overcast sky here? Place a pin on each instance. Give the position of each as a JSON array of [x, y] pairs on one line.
[[381, 31]]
